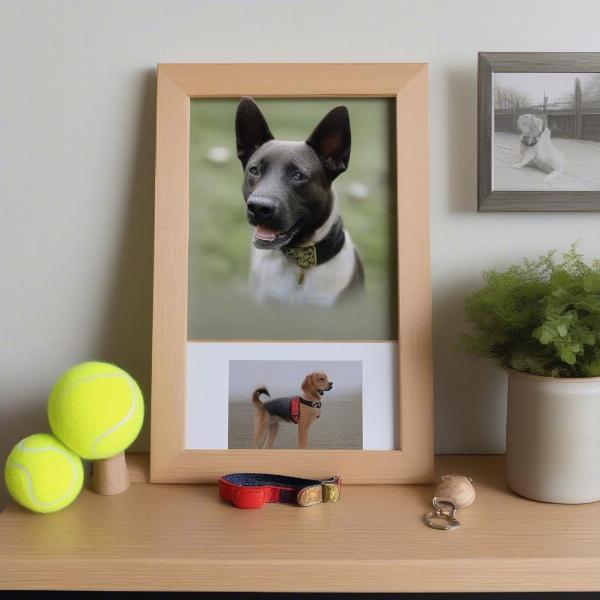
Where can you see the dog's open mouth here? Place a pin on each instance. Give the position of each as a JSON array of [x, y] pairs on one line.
[[321, 392], [266, 238]]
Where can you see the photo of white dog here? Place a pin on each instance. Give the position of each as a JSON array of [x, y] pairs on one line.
[[546, 131], [537, 149]]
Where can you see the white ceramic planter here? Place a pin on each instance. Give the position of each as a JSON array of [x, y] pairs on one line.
[[553, 438]]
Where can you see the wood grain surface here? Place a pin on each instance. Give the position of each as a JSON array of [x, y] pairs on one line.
[[182, 537]]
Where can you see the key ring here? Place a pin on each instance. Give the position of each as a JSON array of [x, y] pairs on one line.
[[435, 517], [452, 493]]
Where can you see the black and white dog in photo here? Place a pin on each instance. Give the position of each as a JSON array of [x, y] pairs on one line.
[[536, 148], [301, 254]]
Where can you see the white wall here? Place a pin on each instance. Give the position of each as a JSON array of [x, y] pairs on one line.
[[76, 170]]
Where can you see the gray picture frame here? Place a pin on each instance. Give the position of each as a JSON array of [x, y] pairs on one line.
[[524, 201]]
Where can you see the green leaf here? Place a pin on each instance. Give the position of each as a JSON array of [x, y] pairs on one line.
[[544, 334], [567, 355]]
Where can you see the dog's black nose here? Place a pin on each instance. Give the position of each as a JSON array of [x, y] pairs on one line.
[[261, 209]]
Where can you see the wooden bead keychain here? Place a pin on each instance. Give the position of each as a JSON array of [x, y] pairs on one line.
[[453, 492]]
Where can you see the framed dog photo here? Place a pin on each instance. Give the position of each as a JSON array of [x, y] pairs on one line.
[[292, 299], [539, 131]]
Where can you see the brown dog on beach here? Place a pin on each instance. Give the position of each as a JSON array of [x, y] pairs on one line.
[[302, 410]]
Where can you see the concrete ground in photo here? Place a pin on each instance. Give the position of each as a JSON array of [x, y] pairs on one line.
[[582, 166]]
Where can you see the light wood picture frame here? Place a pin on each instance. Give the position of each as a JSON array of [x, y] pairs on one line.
[[407, 86], [571, 117]]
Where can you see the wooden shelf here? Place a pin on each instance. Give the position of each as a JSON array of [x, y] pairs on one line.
[[177, 537]]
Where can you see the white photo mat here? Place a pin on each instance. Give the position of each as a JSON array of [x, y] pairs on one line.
[[208, 385]]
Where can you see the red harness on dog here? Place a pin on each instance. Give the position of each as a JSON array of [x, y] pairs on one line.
[[295, 402]]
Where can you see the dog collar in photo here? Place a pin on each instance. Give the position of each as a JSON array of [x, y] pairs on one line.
[[530, 141], [321, 252], [253, 490], [311, 403]]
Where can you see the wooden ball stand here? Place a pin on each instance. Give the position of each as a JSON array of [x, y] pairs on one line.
[[110, 475]]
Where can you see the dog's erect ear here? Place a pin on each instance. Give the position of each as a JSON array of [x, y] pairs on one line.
[[331, 141], [251, 129]]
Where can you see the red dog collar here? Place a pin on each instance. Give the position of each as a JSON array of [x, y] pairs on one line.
[[253, 490]]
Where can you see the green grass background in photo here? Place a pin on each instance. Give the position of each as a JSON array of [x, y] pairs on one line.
[[219, 302]]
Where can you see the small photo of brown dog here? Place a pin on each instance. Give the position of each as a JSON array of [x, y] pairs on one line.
[[276, 404]]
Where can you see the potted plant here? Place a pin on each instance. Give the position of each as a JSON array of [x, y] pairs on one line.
[[540, 320]]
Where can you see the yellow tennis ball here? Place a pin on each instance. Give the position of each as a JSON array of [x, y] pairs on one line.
[[96, 409], [42, 474]]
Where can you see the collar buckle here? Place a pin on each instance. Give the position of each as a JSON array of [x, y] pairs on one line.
[[303, 256], [326, 491], [311, 403], [319, 253]]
